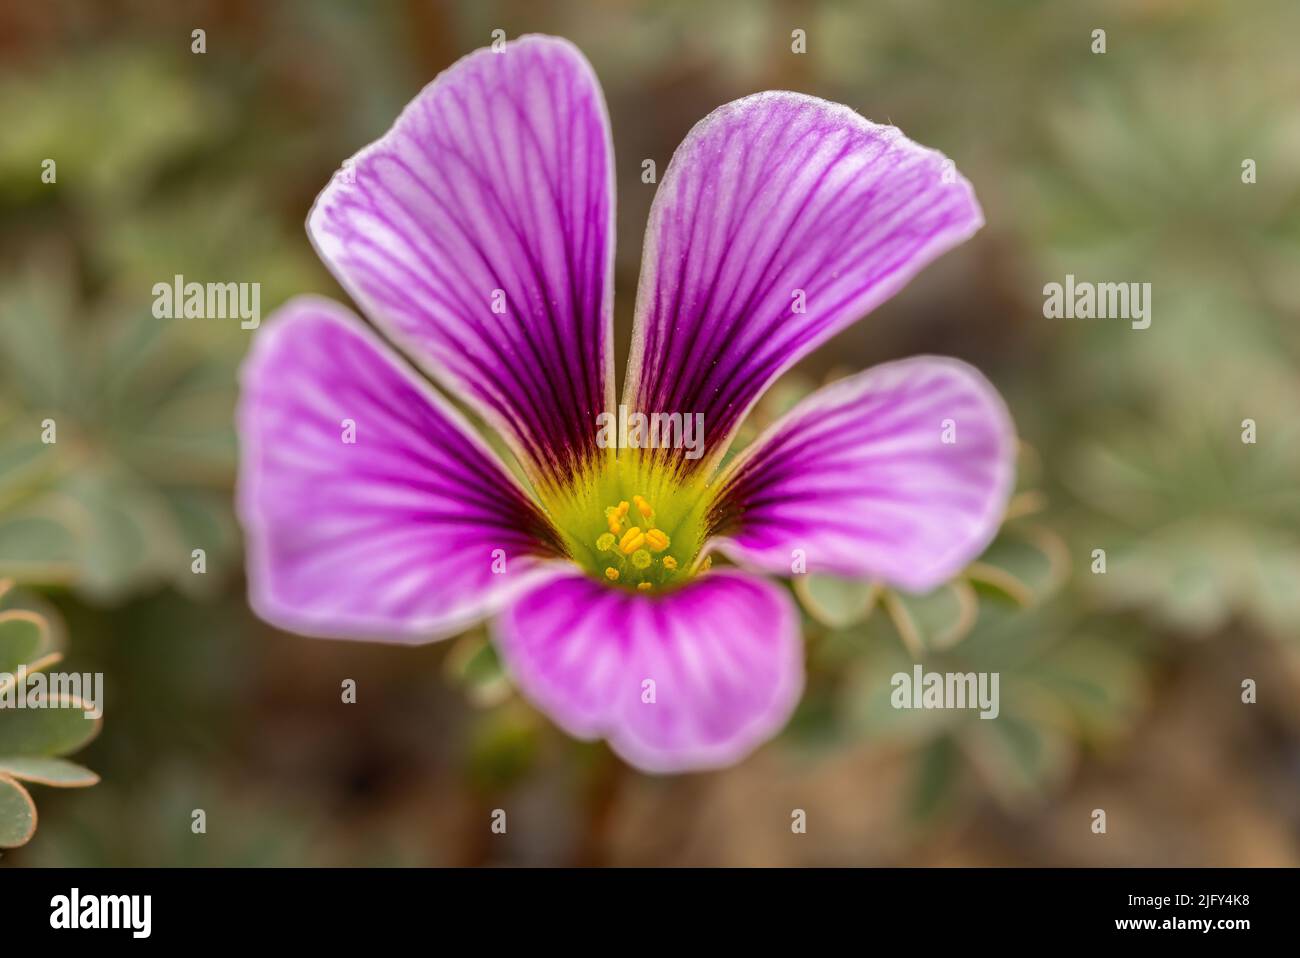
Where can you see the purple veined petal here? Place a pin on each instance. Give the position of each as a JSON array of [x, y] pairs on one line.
[[370, 508], [478, 233], [723, 652], [900, 473], [781, 220]]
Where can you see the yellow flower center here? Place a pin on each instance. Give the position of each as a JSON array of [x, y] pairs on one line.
[[631, 522]]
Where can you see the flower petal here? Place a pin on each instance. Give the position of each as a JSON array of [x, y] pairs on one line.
[[900, 473], [782, 219], [392, 535], [478, 233], [723, 652]]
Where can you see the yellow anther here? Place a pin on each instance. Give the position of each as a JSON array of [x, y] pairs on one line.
[[606, 542], [670, 563], [623, 508], [643, 507], [707, 564], [611, 574], [632, 540], [641, 559], [644, 587], [615, 523], [656, 540]]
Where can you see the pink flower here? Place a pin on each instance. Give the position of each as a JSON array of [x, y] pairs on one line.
[[477, 235]]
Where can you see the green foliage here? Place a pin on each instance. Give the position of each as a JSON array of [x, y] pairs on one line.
[[165, 171], [33, 741], [143, 115], [1063, 685], [1060, 686], [138, 471], [1199, 525]]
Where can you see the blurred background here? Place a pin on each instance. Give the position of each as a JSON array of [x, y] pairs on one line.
[[1120, 690]]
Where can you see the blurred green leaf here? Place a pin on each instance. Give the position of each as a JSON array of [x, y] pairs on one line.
[[503, 747], [1058, 687], [23, 637], [32, 737], [57, 772], [17, 814], [934, 781], [54, 730], [110, 119], [137, 476], [475, 665], [934, 620], [1197, 525], [836, 602], [1027, 563]]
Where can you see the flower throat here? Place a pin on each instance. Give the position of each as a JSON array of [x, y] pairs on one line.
[[632, 520]]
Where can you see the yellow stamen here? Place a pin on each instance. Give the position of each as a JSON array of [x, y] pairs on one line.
[[614, 518], [707, 564], [632, 540], [634, 543]]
